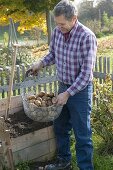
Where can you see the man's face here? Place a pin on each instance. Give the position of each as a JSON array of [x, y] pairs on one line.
[[64, 24]]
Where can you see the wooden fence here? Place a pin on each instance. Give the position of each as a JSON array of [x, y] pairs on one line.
[[104, 65]]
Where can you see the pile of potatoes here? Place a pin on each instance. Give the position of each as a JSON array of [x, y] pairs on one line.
[[42, 99]]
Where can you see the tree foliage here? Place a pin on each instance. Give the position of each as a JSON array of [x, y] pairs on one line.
[[29, 13], [40, 5], [101, 14]]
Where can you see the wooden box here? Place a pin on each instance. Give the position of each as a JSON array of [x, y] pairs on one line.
[[39, 145]]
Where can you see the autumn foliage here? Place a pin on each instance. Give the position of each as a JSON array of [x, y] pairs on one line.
[[29, 14]]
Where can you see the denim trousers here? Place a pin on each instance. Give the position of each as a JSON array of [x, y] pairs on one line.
[[76, 115]]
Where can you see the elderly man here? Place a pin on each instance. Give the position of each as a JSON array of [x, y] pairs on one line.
[[73, 49]]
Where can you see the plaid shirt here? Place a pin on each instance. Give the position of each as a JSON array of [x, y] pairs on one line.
[[74, 58]]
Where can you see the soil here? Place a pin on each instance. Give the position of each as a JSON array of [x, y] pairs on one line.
[[20, 124]]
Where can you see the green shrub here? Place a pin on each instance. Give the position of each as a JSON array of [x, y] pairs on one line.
[[100, 34], [102, 117]]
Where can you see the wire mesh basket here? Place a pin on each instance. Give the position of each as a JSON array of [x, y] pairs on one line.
[[34, 112]]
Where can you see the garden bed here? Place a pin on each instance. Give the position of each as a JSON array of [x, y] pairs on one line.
[[20, 124], [30, 140]]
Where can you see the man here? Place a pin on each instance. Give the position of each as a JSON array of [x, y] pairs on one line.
[[73, 50]]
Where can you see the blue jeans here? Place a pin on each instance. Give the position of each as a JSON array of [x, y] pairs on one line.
[[76, 115]]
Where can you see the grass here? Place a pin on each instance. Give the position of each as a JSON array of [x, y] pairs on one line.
[[105, 46], [105, 49], [101, 162]]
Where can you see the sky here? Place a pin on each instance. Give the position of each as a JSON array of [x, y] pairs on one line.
[[78, 1]]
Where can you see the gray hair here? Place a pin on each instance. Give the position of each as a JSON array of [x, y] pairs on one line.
[[66, 8]]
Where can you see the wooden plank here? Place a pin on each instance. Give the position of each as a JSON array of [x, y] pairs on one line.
[[35, 151], [29, 87], [25, 141], [112, 74], [108, 65], [46, 157], [50, 84], [23, 76], [105, 65], [2, 81], [99, 75], [16, 101], [8, 72], [44, 74], [30, 83], [96, 65], [12, 111], [18, 76], [100, 68], [23, 72], [39, 145]]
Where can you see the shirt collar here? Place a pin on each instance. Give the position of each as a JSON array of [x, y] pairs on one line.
[[74, 28]]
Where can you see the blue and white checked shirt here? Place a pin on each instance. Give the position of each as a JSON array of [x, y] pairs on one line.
[[74, 58]]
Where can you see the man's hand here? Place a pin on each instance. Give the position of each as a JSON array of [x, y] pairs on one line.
[[62, 98], [34, 69]]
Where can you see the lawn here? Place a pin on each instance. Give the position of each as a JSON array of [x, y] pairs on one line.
[[105, 46], [101, 162]]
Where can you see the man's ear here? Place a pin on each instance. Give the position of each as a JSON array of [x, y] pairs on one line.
[[74, 19]]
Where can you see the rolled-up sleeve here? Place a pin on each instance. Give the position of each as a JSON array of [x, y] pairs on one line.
[[88, 51]]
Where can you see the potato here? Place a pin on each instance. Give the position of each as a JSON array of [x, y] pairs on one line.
[[32, 101], [44, 98], [44, 103], [48, 98], [47, 94], [49, 103], [38, 103], [54, 100], [31, 97], [41, 94], [39, 98], [51, 95]]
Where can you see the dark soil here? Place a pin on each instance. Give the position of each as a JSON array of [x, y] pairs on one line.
[[20, 124]]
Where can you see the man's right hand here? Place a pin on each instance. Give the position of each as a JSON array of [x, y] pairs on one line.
[[34, 69]]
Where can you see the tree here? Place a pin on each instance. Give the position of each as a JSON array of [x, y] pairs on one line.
[[105, 19], [106, 6], [29, 13], [45, 6], [19, 13]]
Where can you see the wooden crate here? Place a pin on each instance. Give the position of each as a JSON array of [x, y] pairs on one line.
[[39, 145]]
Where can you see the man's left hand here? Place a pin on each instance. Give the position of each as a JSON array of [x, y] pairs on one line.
[[62, 98]]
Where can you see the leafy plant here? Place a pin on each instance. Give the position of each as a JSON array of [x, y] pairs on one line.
[[23, 56], [23, 165], [102, 116]]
